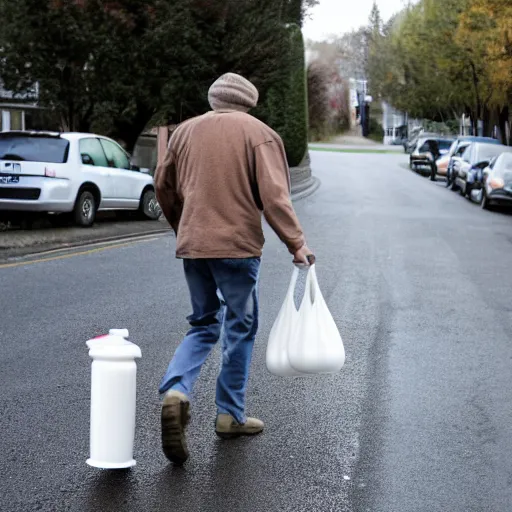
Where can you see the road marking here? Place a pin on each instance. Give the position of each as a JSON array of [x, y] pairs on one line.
[[72, 255]]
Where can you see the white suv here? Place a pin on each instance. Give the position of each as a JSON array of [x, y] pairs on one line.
[[71, 172]]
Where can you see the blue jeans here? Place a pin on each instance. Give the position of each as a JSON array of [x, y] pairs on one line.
[[234, 311]]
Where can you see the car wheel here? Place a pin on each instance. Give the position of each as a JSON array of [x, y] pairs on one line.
[[85, 209], [149, 207]]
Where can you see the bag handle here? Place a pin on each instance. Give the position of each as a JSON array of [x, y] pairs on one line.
[[312, 287], [293, 283], [314, 277]]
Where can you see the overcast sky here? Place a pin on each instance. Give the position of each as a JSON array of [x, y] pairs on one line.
[[334, 17]]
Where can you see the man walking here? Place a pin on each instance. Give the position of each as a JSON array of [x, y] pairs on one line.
[[220, 172]]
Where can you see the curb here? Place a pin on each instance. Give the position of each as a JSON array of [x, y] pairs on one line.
[[306, 188], [33, 250]]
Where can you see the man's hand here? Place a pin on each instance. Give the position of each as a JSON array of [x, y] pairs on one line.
[[304, 257]]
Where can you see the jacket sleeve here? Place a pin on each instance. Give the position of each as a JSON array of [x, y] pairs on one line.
[[273, 180], [166, 189]]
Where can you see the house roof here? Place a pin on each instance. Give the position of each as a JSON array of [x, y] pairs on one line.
[[28, 97]]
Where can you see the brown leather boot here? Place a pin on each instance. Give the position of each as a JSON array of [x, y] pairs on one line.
[[175, 416], [228, 428]]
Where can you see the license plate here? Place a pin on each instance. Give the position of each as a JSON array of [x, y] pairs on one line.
[[6, 180]]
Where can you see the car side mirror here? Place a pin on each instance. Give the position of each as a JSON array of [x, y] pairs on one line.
[[87, 159]]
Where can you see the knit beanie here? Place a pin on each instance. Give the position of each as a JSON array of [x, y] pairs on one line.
[[233, 92]]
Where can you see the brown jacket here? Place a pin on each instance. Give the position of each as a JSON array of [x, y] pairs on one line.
[[220, 172]]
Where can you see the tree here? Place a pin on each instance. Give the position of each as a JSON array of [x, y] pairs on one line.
[[439, 59], [295, 132], [485, 30], [100, 65], [141, 73], [416, 65], [318, 99], [114, 67], [295, 11], [375, 21]]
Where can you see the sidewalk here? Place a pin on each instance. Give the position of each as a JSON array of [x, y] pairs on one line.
[[23, 242], [352, 143]]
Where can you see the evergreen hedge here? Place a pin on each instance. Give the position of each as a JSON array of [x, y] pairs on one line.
[[284, 107]]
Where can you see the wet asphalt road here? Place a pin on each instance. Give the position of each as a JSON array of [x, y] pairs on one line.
[[419, 282]]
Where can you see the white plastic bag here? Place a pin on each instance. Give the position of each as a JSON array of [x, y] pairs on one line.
[[316, 345], [281, 333]]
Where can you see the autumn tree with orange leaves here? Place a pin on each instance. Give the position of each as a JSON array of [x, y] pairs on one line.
[[439, 59]]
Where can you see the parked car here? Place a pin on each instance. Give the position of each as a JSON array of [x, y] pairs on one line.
[[445, 165], [456, 150], [427, 152], [412, 141], [475, 158], [493, 185], [79, 173]]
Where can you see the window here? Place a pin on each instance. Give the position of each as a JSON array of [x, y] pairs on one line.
[[460, 151], [21, 148], [502, 167], [445, 144], [115, 155], [92, 153], [487, 151], [466, 155], [16, 120]]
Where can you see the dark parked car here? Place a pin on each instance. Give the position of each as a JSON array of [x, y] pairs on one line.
[[455, 153], [475, 158], [427, 152], [412, 141], [493, 185]]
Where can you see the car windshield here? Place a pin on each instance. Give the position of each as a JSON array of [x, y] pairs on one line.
[[503, 167], [487, 151], [453, 147], [31, 148], [461, 149], [445, 144], [420, 143]]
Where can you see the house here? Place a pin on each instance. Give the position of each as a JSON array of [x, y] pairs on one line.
[[20, 111], [394, 124]]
